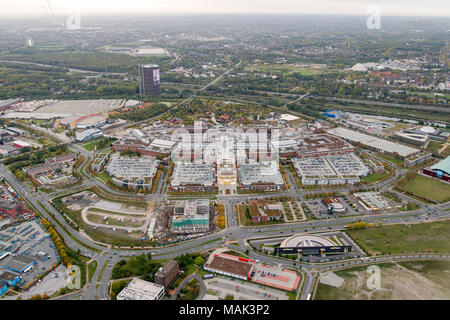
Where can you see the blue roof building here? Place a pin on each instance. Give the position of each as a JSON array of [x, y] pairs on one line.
[[20, 263], [3, 289], [10, 279]]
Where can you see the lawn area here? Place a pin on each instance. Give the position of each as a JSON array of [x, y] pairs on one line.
[[418, 280], [428, 188], [90, 146], [305, 71], [92, 267], [141, 265], [98, 144], [375, 177], [104, 177], [401, 238]]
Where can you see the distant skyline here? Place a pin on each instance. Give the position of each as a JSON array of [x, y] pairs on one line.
[[35, 8]]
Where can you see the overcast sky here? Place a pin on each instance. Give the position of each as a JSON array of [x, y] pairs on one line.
[[12, 8]]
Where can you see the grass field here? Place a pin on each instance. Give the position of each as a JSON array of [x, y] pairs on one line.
[[305, 71], [375, 177], [90, 146], [398, 281], [104, 176], [401, 238], [428, 188]]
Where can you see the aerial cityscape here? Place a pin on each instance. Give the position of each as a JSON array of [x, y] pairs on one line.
[[221, 156]]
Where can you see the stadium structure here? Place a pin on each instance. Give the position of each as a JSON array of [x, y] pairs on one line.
[[307, 244]]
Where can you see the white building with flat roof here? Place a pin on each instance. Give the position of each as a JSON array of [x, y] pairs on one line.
[[139, 289], [378, 144]]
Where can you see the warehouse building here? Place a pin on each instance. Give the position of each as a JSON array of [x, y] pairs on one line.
[[10, 279], [83, 122], [229, 265], [20, 263], [373, 143]]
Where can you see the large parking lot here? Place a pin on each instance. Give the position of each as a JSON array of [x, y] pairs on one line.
[[30, 239], [242, 290], [320, 211]]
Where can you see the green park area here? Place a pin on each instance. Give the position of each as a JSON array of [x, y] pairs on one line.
[[415, 280], [427, 188], [98, 144], [402, 238], [272, 68]]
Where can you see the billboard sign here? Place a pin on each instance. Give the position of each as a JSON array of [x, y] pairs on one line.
[[156, 76]]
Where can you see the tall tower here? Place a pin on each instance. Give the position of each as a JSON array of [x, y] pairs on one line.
[[149, 80]]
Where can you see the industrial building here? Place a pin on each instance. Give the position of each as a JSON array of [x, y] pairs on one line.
[[149, 80], [5, 136], [7, 150], [167, 273], [192, 177], [139, 289], [374, 143], [8, 104], [20, 263], [8, 278], [83, 121], [229, 265], [191, 216], [21, 144]]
